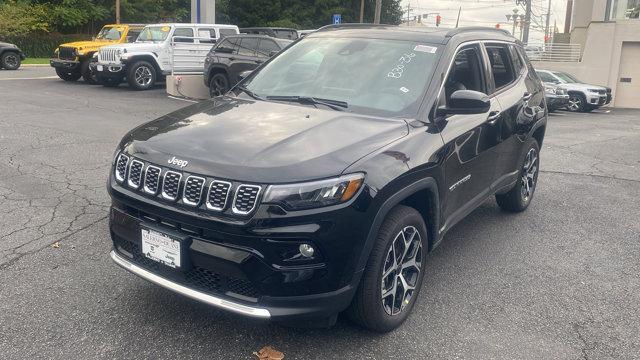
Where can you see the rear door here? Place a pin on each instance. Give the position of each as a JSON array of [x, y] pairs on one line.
[[519, 96], [246, 58], [470, 139]]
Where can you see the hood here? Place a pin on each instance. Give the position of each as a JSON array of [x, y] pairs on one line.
[[581, 86], [4, 44], [89, 44], [260, 141], [137, 46]]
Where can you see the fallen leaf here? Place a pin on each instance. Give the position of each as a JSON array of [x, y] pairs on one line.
[[269, 353], [55, 245]]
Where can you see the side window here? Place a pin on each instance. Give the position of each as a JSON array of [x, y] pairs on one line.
[[247, 46], [228, 46], [266, 47], [227, 32], [501, 66], [466, 72], [518, 62], [187, 32], [132, 35], [209, 34]]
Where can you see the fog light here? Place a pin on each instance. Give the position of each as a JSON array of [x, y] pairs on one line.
[[306, 250]]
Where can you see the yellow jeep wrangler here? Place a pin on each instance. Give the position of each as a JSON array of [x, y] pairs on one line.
[[71, 60]]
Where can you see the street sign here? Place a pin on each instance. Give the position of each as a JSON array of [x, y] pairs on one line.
[[337, 19]]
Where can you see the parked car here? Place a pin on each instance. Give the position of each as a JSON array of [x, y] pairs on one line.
[[280, 33], [582, 97], [556, 95], [534, 52], [10, 56], [72, 60], [302, 33], [146, 61], [319, 185], [234, 55]]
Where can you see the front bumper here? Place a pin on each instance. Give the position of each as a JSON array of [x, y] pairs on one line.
[[109, 71], [597, 99], [64, 64]]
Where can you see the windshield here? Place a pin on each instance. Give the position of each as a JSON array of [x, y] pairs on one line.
[[109, 33], [373, 76], [154, 33], [285, 34], [566, 78]]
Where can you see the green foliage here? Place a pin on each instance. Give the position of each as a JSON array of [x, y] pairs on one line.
[[23, 17], [41, 45]]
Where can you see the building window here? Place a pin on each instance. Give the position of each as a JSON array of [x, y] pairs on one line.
[[625, 9]]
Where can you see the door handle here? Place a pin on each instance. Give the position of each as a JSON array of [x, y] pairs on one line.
[[493, 117], [527, 96]]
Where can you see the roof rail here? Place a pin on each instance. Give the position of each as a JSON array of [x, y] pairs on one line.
[[454, 32], [353, 26]]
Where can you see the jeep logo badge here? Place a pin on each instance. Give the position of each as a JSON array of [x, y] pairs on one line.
[[178, 162]]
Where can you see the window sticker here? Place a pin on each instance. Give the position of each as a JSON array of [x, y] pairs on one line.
[[165, 28], [425, 49], [404, 89]]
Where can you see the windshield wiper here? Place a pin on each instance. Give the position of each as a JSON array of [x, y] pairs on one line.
[[249, 92], [333, 104]]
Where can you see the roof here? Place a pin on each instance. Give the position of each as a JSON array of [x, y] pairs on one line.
[[260, 36], [437, 35], [267, 28], [195, 24]]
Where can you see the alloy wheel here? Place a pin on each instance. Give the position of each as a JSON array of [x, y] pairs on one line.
[[218, 86], [11, 61], [529, 175], [143, 76], [574, 103], [401, 270]]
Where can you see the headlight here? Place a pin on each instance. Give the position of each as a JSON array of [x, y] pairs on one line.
[[550, 89], [594, 90], [316, 193]]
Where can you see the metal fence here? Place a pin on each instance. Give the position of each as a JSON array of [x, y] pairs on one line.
[[554, 52], [188, 54]]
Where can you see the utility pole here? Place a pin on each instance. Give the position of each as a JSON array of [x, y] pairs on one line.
[[547, 35], [527, 21], [376, 17], [117, 11], [458, 19], [361, 11], [408, 12]]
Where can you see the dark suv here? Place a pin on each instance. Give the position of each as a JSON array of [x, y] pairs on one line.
[[322, 180], [280, 33], [234, 55]]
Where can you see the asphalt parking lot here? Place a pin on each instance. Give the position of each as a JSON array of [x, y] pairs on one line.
[[560, 281]]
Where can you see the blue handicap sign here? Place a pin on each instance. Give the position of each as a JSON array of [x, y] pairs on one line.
[[337, 18]]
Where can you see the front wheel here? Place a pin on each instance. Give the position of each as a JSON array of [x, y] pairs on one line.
[[218, 85], [519, 198], [393, 276], [577, 103], [141, 75], [10, 61], [68, 75]]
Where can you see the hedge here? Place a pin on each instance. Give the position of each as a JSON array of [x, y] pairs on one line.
[[42, 45]]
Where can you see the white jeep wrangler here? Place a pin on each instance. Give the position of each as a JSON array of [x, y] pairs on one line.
[[147, 60]]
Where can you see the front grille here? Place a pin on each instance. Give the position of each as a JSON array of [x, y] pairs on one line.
[[198, 277], [218, 195], [171, 185], [108, 55], [246, 198], [193, 190], [152, 179], [135, 173], [121, 167], [66, 53]]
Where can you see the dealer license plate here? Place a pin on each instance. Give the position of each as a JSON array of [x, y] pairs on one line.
[[161, 248]]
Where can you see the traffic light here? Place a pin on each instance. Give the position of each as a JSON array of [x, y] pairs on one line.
[[438, 20]]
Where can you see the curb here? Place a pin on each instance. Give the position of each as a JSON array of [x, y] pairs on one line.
[[34, 65]]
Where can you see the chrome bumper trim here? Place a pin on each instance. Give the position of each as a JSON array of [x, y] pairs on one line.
[[194, 294]]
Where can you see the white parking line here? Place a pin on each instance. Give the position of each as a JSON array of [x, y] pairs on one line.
[[31, 78], [177, 98]]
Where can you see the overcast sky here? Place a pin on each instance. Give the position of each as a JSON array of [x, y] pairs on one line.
[[488, 13]]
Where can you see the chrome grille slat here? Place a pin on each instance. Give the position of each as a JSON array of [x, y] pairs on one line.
[[193, 190], [121, 167], [152, 179], [246, 199], [218, 195], [135, 174], [66, 53], [171, 185]]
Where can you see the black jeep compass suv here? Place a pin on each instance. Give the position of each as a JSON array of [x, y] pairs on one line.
[[322, 180]]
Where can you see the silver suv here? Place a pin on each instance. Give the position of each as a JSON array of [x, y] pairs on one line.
[[582, 97]]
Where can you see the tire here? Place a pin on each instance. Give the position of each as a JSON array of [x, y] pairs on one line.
[[577, 102], [87, 75], [68, 75], [141, 75], [519, 197], [219, 84], [10, 60], [369, 308]]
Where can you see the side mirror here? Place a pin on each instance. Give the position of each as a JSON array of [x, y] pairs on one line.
[[244, 74], [273, 53], [468, 102]]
